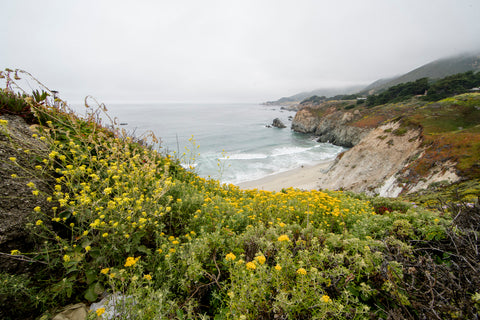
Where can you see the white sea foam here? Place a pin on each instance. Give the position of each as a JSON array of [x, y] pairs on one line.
[[288, 151], [245, 156]]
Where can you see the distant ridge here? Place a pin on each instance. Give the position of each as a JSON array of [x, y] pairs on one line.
[[435, 70], [327, 92]]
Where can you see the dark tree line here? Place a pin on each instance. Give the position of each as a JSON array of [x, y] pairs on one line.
[[398, 93], [432, 90], [453, 85]]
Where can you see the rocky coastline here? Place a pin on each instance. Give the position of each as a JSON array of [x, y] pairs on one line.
[[333, 126], [380, 157]]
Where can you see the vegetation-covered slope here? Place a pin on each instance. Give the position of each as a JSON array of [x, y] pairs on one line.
[[113, 215], [437, 69]]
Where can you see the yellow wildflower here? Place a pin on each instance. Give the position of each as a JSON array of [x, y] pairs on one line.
[[159, 251], [261, 259], [100, 311], [283, 237], [13, 159], [302, 271], [66, 258], [37, 209], [105, 270], [88, 248], [15, 252], [147, 277], [131, 261], [278, 267], [39, 222], [230, 257], [325, 299], [251, 265]]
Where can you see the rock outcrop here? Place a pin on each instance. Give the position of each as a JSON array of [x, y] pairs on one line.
[[278, 123], [18, 149], [331, 126]]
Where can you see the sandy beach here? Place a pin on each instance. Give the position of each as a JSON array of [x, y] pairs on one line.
[[305, 177]]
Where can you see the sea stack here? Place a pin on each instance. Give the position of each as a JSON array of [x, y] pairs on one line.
[[278, 123]]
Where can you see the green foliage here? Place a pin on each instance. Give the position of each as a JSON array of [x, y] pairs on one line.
[[437, 90], [40, 96], [14, 103], [453, 85], [314, 100], [398, 93], [18, 293]]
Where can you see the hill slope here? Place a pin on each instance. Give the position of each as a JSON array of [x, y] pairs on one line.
[[435, 70], [327, 92]]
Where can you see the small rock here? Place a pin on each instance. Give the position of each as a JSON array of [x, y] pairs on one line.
[[278, 123]]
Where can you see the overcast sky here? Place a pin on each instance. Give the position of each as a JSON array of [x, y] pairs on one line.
[[212, 51]]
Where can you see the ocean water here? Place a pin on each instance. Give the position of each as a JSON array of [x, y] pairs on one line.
[[230, 142]]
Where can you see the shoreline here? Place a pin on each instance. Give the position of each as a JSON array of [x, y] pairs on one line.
[[305, 177]]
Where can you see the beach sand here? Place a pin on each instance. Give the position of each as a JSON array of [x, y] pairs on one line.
[[305, 178]]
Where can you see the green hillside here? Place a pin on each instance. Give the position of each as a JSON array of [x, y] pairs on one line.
[[435, 70]]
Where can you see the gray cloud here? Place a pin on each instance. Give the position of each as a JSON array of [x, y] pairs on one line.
[[249, 50]]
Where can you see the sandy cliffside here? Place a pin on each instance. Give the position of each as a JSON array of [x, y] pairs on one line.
[[378, 164]]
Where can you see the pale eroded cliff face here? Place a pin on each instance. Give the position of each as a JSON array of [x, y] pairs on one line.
[[381, 153], [377, 165]]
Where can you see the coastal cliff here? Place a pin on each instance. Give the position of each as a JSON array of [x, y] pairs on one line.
[[329, 124], [396, 148], [377, 164]]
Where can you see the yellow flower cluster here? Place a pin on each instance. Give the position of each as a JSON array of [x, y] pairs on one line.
[[131, 261], [301, 271], [261, 259], [100, 311], [230, 257], [251, 265]]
